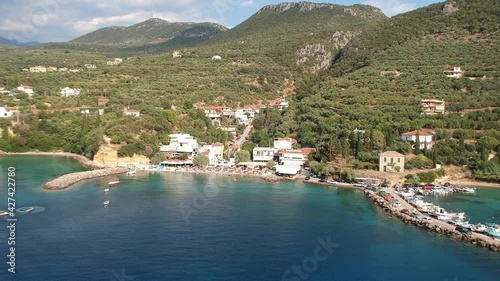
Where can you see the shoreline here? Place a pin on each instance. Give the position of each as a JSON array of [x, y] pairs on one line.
[[84, 161]]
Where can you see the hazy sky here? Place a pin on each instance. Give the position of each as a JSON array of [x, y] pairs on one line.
[[63, 20]]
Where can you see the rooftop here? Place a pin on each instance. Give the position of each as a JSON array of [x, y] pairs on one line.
[[391, 154], [414, 133]]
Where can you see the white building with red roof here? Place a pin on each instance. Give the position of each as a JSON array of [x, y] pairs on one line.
[[26, 89], [424, 138], [5, 113]]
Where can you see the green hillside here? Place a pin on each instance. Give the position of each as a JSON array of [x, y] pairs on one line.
[[293, 34], [377, 81]]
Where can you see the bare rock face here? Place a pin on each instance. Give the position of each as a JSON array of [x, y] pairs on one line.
[[300, 6], [449, 8], [321, 54]]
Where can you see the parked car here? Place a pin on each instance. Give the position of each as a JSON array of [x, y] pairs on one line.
[[307, 178], [322, 180], [464, 230], [405, 211], [417, 216]]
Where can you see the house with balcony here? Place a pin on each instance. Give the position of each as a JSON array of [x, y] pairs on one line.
[[179, 144], [91, 111], [432, 106], [424, 138], [263, 154], [291, 161], [392, 161], [282, 105]]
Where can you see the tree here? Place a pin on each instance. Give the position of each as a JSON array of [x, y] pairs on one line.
[[242, 156], [427, 177], [201, 160], [270, 164], [184, 156]]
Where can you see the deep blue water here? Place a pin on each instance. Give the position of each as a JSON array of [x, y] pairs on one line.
[[190, 227]]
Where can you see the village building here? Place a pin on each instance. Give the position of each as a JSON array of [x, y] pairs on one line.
[[116, 61], [282, 105], [177, 54], [432, 106], [131, 112], [69, 92], [216, 58], [62, 69], [424, 138], [179, 144], [455, 73], [51, 69], [218, 150], [284, 143], [91, 111], [392, 161], [90, 66], [263, 154], [38, 69], [26, 89], [75, 70], [291, 161], [5, 113]]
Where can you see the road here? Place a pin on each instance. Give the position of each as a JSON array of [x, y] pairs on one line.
[[239, 142]]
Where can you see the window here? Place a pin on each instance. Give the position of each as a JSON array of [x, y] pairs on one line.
[[385, 159], [392, 160], [399, 160]]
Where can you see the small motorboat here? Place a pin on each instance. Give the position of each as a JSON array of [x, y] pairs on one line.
[[3, 213], [25, 209], [467, 190], [106, 203], [131, 172], [478, 228], [106, 190], [114, 182], [493, 232]]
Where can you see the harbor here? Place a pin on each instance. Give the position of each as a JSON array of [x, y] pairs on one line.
[[434, 219]]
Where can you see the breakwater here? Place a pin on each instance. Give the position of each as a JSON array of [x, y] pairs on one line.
[[436, 226], [70, 179]]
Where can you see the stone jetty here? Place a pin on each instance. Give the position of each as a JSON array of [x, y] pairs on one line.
[[436, 226], [70, 179]]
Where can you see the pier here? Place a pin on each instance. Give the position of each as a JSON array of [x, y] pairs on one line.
[[70, 179], [436, 226]]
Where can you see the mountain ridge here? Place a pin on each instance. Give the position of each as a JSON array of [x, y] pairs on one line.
[[11, 42]]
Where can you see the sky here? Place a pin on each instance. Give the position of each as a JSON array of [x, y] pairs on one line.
[[64, 20]]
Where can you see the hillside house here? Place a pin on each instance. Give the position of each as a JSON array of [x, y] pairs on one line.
[[392, 161], [4, 91], [263, 154], [91, 111], [432, 106], [116, 61], [38, 69], [282, 105], [75, 70], [216, 58], [214, 112], [62, 69], [25, 70], [179, 144], [424, 138], [455, 73], [284, 143], [69, 92], [5, 113], [176, 54], [131, 112], [90, 66], [26, 89]]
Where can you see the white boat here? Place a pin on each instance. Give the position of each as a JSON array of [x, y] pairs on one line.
[[131, 172], [106, 203], [493, 232], [441, 214], [467, 190], [106, 190], [3, 213], [114, 183], [478, 227]]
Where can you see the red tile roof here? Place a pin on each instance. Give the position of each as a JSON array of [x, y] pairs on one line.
[[414, 133], [218, 144]]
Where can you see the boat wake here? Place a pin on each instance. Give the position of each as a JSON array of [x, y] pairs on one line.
[[30, 210]]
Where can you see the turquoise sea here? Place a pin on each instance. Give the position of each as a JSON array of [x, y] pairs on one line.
[[172, 226]]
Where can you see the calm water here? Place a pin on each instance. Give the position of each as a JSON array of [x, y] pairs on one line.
[[187, 227]]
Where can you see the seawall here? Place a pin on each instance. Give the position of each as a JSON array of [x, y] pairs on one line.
[[439, 227], [70, 179]]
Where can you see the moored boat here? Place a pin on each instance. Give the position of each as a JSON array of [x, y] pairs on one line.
[[131, 172], [106, 203], [114, 182], [106, 190], [467, 190], [478, 227], [25, 209], [3, 213], [493, 232]]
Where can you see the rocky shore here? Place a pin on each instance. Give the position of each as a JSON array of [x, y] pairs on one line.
[[441, 228], [70, 179], [84, 161]]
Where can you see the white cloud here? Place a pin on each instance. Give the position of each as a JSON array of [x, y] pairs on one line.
[[248, 3], [42, 19], [15, 26], [392, 7]]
